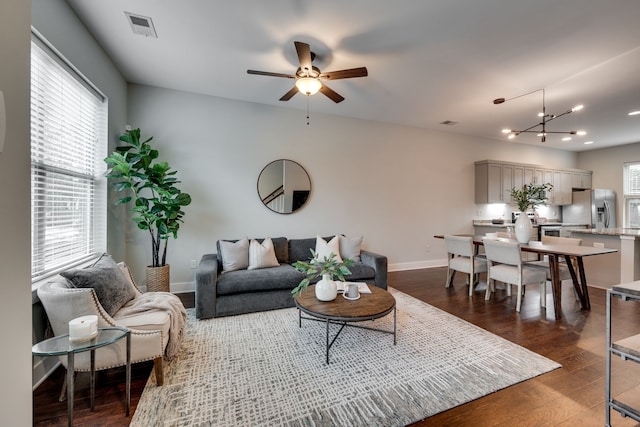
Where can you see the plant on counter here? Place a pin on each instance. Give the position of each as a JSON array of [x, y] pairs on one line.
[[530, 196], [318, 267]]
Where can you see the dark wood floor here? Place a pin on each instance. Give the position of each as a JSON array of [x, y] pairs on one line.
[[570, 396]]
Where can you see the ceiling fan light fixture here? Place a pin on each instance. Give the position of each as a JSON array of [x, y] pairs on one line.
[[308, 85]]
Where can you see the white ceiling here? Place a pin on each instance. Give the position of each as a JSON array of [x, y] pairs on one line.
[[428, 61]]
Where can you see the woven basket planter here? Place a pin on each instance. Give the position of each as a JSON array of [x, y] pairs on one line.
[[158, 279]]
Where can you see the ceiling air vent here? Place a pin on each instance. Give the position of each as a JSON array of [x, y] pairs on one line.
[[449, 123], [142, 25]]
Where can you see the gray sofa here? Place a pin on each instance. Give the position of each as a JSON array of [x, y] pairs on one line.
[[244, 291]]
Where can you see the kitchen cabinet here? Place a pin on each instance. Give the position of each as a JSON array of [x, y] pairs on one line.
[[494, 180], [561, 188], [489, 183], [581, 180], [628, 349]]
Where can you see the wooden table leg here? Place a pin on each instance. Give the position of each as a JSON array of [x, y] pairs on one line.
[[556, 285], [576, 283], [583, 284]]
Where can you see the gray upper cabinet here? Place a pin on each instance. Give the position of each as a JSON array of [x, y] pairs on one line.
[[495, 179]]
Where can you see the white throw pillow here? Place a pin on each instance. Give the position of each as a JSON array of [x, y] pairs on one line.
[[324, 248], [262, 255], [350, 248], [235, 255]]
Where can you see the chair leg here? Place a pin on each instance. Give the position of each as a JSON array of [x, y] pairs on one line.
[[519, 298], [157, 366], [450, 274], [490, 288]]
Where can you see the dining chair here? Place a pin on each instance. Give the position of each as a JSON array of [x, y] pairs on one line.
[[461, 257], [504, 264], [562, 265]]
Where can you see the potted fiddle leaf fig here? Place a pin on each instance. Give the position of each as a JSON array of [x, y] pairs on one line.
[[151, 188]]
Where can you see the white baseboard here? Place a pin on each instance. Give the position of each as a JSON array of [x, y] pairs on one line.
[[42, 368], [415, 265]]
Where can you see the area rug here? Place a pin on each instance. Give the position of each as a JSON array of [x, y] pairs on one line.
[[262, 369]]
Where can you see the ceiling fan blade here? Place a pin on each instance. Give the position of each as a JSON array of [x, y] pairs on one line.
[[304, 55], [345, 74], [331, 94], [287, 96], [268, 73]]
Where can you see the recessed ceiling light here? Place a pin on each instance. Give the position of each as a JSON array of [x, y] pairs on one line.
[[634, 113], [588, 143]]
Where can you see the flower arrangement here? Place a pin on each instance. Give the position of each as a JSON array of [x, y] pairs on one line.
[[317, 267], [530, 196]]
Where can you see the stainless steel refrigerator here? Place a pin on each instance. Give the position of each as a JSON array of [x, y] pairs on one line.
[[596, 208]]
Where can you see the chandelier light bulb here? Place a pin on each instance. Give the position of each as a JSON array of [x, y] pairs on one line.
[[540, 114], [566, 138], [513, 135], [577, 108], [581, 133], [506, 130]]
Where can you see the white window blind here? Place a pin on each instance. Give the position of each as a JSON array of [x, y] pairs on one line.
[[632, 195], [68, 145], [632, 179]]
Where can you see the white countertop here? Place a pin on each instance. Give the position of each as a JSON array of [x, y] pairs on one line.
[[633, 232]]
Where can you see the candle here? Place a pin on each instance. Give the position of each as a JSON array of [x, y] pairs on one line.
[[83, 328]]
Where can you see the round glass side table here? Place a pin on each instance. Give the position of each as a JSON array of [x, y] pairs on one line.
[[61, 346]]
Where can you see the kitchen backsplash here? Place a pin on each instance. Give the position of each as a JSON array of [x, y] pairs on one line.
[[503, 211]]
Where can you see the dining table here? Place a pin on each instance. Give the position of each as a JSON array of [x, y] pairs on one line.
[[555, 253]]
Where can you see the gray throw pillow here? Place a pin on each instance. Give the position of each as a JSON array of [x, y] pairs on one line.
[[350, 248], [111, 286], [235, 255]]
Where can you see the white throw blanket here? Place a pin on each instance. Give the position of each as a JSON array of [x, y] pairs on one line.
[[167, 302]]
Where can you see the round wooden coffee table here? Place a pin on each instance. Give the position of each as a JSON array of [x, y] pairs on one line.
[[345, 312]]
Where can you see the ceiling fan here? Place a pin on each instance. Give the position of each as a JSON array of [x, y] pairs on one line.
[[309, 79]]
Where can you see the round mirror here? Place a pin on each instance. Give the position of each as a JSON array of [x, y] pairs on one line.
[[284, 186]]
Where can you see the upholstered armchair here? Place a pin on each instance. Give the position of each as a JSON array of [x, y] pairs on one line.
[[150, 328]]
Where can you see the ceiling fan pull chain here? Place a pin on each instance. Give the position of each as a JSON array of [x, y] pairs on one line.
[[307, 110]]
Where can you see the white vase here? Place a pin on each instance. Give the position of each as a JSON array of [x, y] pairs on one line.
[[326, 289], [523, 228]]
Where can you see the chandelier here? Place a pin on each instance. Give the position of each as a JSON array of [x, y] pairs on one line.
[[540, 128]]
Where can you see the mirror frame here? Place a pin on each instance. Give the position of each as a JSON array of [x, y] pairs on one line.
[[297, 198]]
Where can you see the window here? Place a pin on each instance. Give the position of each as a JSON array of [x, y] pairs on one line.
[[68, 145], [632, 195]]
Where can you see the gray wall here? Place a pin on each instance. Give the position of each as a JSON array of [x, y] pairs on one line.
[[15, 276], [395, 185], [607, 165]]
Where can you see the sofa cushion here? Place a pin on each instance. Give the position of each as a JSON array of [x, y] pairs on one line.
[[262, 255], [111, 286], [239, 281], [360, 271], [300, 249], [235, 255], [325, 248]]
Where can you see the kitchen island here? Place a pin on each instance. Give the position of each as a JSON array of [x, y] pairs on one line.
[[621, 267]]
